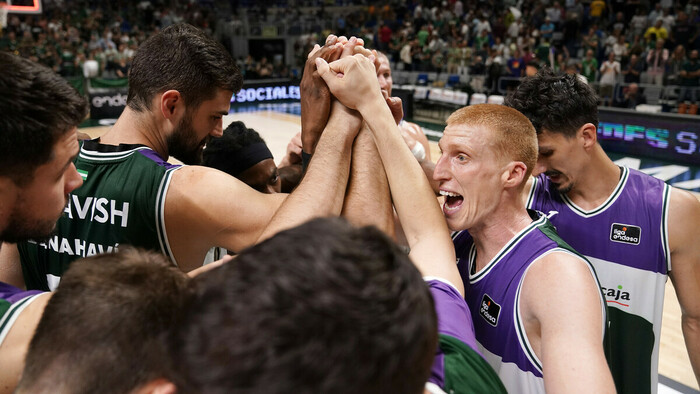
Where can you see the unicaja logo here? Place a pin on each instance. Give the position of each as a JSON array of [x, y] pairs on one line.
[[625, 233]]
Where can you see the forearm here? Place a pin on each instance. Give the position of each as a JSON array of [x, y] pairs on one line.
[[321, 191], [367, 199], [691, 333], [413, 197]]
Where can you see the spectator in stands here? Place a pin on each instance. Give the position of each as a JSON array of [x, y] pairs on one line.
[[632, 96], [639, 23], [609, 72], [633, 70], [657, 31], [690, 80], [674, 66], [547, 28], [656, 62], [597, 8], [589, 66]]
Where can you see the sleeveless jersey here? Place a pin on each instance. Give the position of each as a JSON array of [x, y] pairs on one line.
[[626, 240], [493, 296], [121, 201], [12, 303], [458, 366]]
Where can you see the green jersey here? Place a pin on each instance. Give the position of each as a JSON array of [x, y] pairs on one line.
[[121, 201]]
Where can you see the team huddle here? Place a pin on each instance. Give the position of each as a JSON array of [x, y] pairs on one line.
[[522, 260]]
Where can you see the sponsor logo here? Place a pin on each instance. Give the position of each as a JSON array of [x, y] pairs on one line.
[[489, 310], [616, 295], [625, 233], [118, 100], [83, 174]]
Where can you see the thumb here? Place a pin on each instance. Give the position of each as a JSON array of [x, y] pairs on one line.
[[324, 70]]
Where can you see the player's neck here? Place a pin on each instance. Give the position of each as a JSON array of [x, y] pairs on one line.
[[502, 226], [137, 128], [596, 182]]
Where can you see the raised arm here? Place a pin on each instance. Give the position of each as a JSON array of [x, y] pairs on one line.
[[422, 221], [684, 223]]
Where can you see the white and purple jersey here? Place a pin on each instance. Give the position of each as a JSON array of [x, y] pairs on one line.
[[626, 240], [458, 366], [493, 296], [12, 303]]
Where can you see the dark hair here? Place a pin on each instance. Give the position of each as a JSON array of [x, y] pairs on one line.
[[238, 149], [321, 308], [102, 330], [560, 103], [183, 58], [37, 108]]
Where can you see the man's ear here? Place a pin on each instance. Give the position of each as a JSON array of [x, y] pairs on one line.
[[514, 174], [157, 386], [171, 104], [589, 135]]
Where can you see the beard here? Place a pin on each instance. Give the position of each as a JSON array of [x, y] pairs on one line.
[[183, 144], [20, 228]]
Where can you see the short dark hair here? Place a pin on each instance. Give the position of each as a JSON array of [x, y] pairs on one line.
[[183, 58], [558, 102], [321, 308], [238, 149], [103, 329], [38, 107]]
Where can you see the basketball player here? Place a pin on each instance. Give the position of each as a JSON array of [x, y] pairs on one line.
[[40, 112], [180, 86], [458, 367], [242, 153], [636, 230], [101, 330], [412, 133]]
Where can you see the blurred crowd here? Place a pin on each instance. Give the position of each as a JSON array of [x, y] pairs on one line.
[[606, 42]]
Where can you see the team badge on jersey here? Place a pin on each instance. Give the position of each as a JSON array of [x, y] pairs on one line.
[[489, 310], [625, 233]]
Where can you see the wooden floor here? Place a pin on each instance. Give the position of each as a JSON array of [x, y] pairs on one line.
[[278, 128]]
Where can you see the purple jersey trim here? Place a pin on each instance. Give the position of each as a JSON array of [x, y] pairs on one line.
[[13, 294], [155, 157]]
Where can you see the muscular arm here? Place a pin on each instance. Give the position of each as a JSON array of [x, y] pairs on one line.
[[566, 330], [422, 221], [683, 224], [368, 200]]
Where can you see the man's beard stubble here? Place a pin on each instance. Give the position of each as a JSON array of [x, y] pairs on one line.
[[183, 144]]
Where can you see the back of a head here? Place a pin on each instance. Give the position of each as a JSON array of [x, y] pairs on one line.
[[102, 330], [321, 308], [37, 107], [238, 149], [514, 137], [555, 102], [181, 57]]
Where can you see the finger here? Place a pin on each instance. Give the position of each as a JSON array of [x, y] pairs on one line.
[[314, 51], [331, 39], [360, 42], [343, 40], [362, 51], [348, 49]]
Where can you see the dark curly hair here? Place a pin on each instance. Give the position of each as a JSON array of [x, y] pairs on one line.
[[322, 308], [558, 103]]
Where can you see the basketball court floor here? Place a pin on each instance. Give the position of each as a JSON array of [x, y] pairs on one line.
[[278, 123]]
